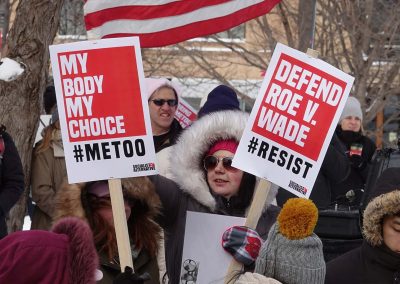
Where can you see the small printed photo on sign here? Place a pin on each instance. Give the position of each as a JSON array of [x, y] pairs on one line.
[[190, 269], [104, 119], [293, 120]]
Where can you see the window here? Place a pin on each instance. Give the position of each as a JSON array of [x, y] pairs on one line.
[[234, 33]]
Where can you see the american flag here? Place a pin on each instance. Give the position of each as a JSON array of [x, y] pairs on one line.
[[164, 22]]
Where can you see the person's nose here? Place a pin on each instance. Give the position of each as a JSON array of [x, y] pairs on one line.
[[165, 106], [353, 120], [220, 168]]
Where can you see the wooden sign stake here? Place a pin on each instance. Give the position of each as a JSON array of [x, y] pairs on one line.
[[256, 209], [120, 224]]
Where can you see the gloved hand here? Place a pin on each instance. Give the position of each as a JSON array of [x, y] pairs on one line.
[[357, 161], [128, 277]]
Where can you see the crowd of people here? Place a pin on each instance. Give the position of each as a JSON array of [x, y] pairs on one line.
[[73, 227]]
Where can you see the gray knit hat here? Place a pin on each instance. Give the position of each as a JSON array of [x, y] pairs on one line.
[[292, 253], [352, 108]]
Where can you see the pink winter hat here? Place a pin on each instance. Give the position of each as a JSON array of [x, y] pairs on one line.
[[227, 145], [152, 84]]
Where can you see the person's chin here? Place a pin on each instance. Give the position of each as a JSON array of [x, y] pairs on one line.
[[221, 192], [166, 120]]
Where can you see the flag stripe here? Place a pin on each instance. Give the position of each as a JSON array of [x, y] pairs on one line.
[[159, 24], [180, 24], [98, 18], [96, 5]]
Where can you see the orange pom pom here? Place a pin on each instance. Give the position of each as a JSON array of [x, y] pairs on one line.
[[297, 218]]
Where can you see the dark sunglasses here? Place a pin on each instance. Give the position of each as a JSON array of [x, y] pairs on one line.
[[161, 102], [211, 162]]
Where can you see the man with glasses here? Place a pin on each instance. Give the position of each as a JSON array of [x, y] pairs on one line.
[[163, 103]]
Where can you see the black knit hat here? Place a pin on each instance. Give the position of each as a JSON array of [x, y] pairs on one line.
[[388, 181], [49, 99], [220, 98]]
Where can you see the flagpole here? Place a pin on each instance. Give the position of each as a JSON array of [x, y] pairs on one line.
[[313, 26]]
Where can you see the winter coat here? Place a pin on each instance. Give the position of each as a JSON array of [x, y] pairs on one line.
[[364, 265], [162, 144], [48, 173], [335, 168], [71, 200], [168, 139], [11, 180], [360, 165], [142, 263], [191, 191], [373, 262]]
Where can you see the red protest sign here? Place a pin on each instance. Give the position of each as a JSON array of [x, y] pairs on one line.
[[293, 120], [299, 104], [104, 120], [86, 76]]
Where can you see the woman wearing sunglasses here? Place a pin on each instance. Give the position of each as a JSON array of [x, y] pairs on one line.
[[206, 181]]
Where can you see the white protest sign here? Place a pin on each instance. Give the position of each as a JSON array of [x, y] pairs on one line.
[[204, 260], [104, 119], [185, 114], [293, 120]]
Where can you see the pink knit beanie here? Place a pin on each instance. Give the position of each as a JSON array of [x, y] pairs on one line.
[[227, 145]]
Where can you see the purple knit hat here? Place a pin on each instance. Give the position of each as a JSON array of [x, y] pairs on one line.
[[65, 255]]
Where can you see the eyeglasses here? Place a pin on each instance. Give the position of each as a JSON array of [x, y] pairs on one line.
[[161, 102], [211, 162]]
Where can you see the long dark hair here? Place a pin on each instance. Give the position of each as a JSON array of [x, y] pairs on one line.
[[103, 233], [143, 231], [242, 200]]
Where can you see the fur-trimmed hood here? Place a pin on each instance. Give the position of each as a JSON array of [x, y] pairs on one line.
[[194, 142], [385, 201], [70, 200]]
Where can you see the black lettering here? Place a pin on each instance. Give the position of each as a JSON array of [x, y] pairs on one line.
[[272, 154], [282, 155], [128, 148], [297, 163], [308, 165], [290, 162], [116, 147], [106, 150], [92, 151], [263, 149], [140, 147]]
